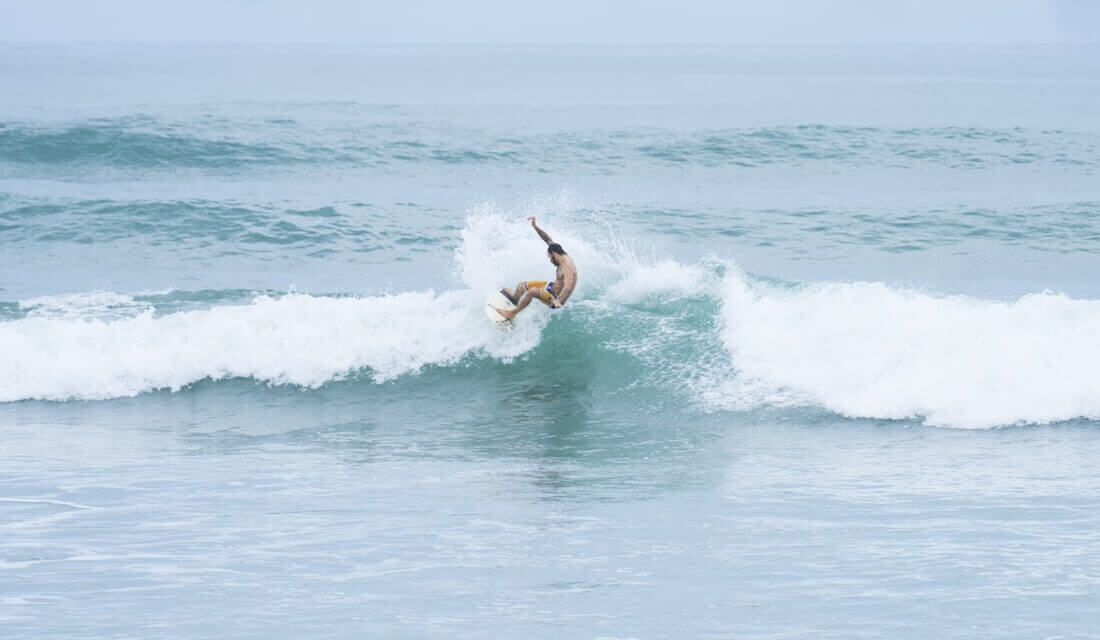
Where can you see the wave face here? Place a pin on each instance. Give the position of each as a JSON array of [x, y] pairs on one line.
[[709, 332]]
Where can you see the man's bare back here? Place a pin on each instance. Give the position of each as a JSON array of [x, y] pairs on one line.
[[554, 294]]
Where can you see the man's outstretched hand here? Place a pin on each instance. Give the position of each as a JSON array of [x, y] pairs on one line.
[[532, 220]]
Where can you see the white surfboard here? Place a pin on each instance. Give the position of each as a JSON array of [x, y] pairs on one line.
[[497, 299]]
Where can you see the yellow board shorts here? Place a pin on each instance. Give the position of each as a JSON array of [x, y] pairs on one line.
[[545, 289]]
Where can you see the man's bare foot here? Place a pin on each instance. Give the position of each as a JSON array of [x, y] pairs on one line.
[[508, 315]]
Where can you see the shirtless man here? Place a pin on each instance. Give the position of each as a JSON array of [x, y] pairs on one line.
[[553, 294]]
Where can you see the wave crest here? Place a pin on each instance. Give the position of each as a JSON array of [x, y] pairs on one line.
[[293, 339]]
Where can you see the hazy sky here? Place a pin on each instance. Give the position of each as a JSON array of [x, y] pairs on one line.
[[560, 21]]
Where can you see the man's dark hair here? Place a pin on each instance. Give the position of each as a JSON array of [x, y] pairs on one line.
[[554, 247]]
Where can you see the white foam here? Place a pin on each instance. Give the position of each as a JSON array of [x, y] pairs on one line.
[[296, 339], [82, 304], [869, 350], [662, 281]]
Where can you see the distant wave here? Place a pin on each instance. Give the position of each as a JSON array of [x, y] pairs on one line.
[[953, 147], [730, 340], [120, 144], [146, 144], [211, 227], [359, 225]]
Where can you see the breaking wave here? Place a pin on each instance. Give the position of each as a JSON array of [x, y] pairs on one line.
[[731, 341]]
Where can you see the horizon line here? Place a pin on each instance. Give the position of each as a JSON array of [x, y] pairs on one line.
[[506, 43]]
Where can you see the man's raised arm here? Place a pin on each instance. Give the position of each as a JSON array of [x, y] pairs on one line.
[[542, 234]]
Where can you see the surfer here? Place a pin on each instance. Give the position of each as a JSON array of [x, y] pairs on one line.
[[552, 294]]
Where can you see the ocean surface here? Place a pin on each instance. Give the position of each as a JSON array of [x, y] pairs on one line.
[[831, 369]]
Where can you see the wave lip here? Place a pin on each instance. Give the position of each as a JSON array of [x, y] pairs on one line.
[[871, 351]]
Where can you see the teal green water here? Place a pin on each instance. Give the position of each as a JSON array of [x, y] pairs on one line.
[[829, 371]]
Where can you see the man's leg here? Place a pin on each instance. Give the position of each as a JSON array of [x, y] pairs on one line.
[[523, 302], [513, 296]]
